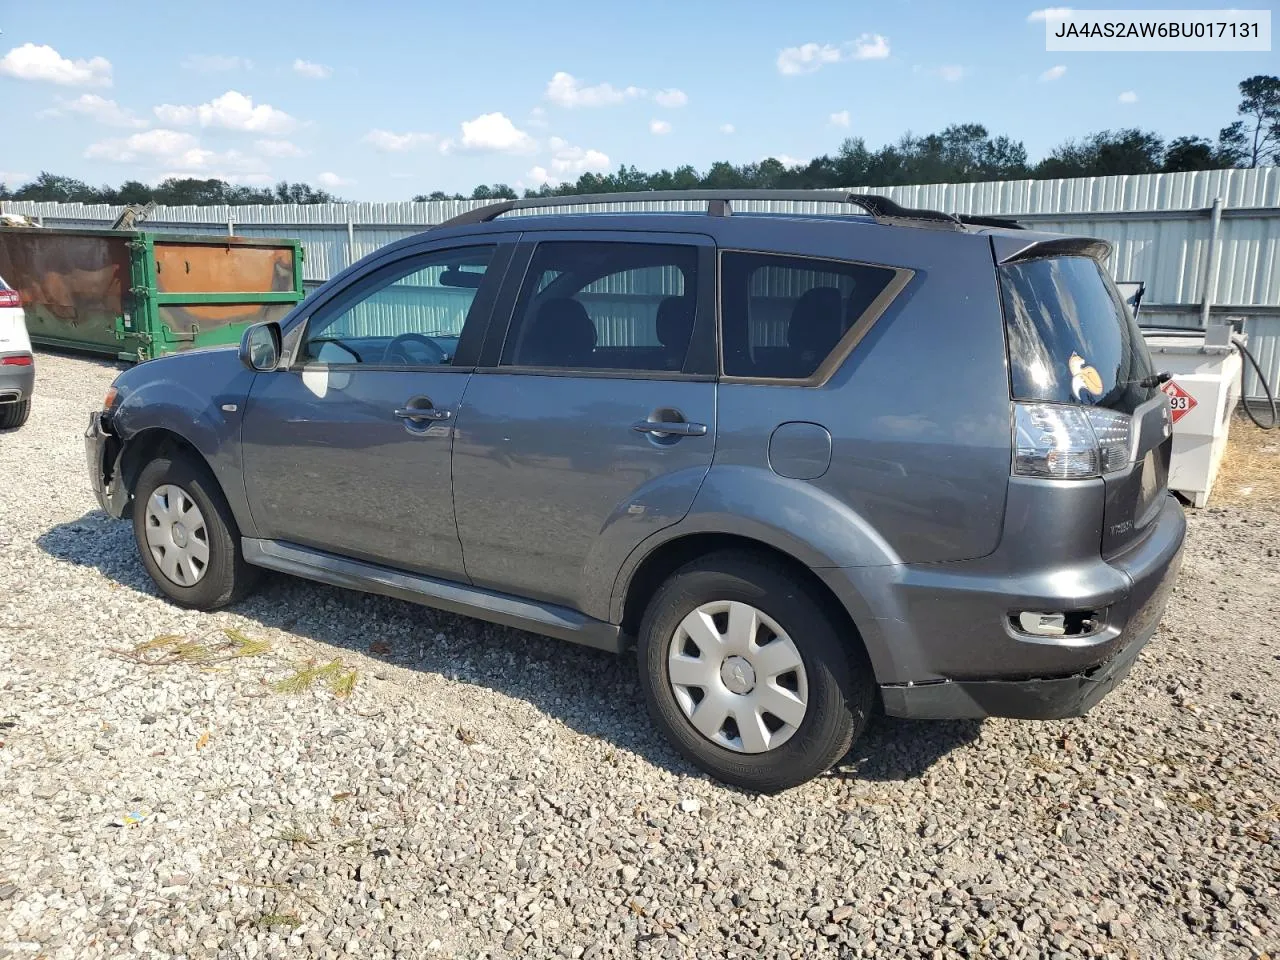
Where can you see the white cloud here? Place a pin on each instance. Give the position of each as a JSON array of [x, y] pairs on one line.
[[785, 159], [671, 98], [1128, 97], [541, 177], [660, 127], [567, 163], [216, 63], [173, 149], [493, 131], [98, 109], [566, 90], [538, 117], [566, 158], [278, 148], [727, 128], [168, 145], [871, 46], [13, 179], [1048, 13], [32, 62], [313, 71], [952, 73], [808, 57], [811, 57], [231, 111], [840, 119], [331, 181], [1053, 73], [389, 142]]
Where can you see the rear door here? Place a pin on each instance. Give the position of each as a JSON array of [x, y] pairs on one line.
[[1072, 340], [591, 421]]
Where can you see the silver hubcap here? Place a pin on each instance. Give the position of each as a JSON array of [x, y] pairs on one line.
[[738, 677], [176, 535]]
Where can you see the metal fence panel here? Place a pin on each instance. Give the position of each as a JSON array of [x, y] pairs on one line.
[[1159, 226]]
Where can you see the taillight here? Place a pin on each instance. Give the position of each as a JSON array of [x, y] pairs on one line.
[[1065, 442], [10, 298], [22, 360]]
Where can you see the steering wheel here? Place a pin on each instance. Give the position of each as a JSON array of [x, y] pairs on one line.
[[426, 352]]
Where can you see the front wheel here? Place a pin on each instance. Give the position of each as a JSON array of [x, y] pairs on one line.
[[187, 538], [745, 673]]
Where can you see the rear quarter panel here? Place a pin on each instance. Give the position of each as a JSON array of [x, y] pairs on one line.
[[918, 413]]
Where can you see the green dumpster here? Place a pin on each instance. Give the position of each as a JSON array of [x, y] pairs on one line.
[[136, 295]]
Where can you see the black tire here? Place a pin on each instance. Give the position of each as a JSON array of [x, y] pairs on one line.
[[227, 577], [14, 414], [841, 687]]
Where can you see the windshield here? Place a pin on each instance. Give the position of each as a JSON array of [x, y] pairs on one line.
[[1071, 338]]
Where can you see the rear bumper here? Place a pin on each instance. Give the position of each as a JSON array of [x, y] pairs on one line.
[[102, 451], [16, 383], [943, 646], [1048, 699]]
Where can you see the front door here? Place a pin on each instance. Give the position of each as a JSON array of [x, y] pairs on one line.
[[348, 450], [592, 423]]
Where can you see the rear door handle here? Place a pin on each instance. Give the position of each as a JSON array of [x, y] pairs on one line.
[[419, 413], [670, 428]]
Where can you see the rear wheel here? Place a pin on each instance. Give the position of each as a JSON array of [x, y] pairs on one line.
[[745, 672], [187, 538], [14, 414]]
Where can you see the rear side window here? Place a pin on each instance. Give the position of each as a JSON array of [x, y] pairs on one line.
[[783, 316], [626, 307], [1071, 338]]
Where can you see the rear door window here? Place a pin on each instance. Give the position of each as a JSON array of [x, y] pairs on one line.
[[1071, 338], [783, 317]]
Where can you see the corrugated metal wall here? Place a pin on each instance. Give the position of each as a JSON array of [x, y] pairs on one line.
[[1159, 225]]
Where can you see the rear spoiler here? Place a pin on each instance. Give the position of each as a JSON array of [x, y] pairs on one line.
[[1008, 223], [1015, 249]]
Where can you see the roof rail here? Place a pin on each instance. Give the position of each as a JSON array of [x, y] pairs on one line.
[[718, 202]]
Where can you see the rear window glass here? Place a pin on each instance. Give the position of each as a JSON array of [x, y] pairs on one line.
[[783, 316], [1071, 338]]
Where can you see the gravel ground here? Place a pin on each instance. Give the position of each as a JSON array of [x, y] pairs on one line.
[[481, 792]]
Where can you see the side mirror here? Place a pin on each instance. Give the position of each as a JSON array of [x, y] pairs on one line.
[[260, 347]]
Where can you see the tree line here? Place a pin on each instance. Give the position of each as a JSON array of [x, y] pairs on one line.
[[961, 153], [172, 191]]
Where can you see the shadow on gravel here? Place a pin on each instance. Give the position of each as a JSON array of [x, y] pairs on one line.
[[594, 693]]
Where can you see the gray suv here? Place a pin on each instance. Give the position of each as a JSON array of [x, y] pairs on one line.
[[805, 464]]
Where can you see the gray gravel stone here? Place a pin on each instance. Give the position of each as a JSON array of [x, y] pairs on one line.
[[487, 793]]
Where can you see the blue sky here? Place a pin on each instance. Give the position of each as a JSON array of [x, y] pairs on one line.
[[381, 100]]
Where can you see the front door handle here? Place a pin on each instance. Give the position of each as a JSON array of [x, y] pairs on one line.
[[418, 413], [670, 428]]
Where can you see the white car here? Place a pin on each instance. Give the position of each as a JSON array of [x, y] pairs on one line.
[[17, 366]]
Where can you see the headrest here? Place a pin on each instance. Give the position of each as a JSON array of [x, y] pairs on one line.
[[816, 323], [562, 335]]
